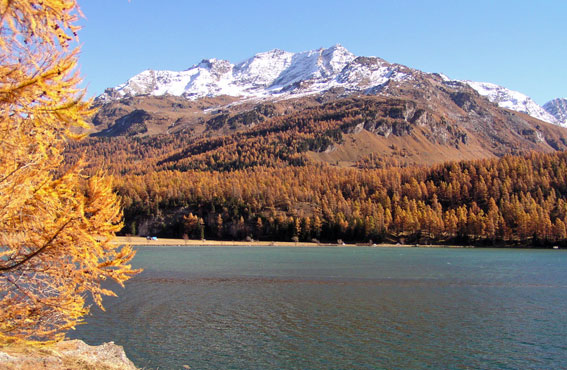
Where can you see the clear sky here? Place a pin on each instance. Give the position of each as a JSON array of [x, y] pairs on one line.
[[520, 44]]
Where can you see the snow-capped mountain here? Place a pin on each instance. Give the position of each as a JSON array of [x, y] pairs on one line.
[[265, 74], [275, 73], [282, 74], [513, 100], [558, 109]]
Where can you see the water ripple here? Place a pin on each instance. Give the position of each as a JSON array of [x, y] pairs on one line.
[[340, 309]]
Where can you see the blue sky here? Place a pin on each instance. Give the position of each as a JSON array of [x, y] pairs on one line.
[[519, 44]]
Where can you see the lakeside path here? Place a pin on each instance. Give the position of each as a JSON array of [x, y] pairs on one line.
[[139, 241]]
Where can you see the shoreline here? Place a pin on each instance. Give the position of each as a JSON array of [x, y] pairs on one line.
[[143, 242]]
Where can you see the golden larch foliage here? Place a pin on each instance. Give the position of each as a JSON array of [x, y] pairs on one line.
[[55, 228]]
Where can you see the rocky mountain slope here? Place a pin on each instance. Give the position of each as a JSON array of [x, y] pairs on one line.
[[558, 109], [434, 124]]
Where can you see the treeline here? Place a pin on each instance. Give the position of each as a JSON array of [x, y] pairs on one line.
[[508, 201]]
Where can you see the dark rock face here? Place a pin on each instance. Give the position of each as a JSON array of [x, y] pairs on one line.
[[107, 115], [464, 100], [131, 124]]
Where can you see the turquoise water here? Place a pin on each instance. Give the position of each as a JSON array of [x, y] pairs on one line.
[[340, 308]]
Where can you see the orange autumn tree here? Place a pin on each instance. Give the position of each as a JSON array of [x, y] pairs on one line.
[[55, 228]]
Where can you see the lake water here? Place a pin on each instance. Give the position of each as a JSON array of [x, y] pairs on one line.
[[340, 308]]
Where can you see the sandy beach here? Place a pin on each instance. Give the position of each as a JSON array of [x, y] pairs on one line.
[[140, 241]]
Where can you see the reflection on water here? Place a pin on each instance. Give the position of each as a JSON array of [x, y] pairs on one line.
[[340, 308]]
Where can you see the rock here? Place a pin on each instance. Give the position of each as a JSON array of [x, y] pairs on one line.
[[72, 354]]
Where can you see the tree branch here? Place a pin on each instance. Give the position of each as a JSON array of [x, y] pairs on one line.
[[41, 249]]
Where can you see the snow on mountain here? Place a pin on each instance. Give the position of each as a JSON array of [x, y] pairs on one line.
[[273, 73], [210, 77], [264, 74], [263, 69], [558, 109], [513, 100], [279, 73], [371, 71], [278, 69]]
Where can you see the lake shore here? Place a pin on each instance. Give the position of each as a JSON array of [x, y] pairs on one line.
[[140, 241]]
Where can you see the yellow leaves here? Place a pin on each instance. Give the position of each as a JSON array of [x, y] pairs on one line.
[[54, 229], [46, 21]]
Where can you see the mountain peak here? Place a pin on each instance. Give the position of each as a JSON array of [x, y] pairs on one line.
[[511, 99], [558, 109], [338, 46]]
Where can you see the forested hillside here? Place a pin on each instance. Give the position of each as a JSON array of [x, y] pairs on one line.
[[509, 201], [363, 131], [360, 169]]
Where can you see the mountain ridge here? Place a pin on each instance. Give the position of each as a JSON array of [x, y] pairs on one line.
[[278, 74]]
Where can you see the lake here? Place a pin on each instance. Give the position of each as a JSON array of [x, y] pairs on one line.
[[339, 308]]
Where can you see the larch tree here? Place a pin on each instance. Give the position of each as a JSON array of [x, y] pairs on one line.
[[56, 225]]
